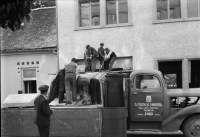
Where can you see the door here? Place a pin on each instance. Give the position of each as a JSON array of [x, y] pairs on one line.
[[147, 95]]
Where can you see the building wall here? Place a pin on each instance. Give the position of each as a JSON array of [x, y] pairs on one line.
[[143, 38], [11, 72]]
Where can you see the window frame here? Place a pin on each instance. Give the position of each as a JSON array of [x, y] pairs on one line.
[[103, 16], [28, 79], [184, 14], [90, 13], [188, 60], [158, 78], [117, 12]]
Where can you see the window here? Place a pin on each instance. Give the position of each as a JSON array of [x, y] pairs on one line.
[[147, 81], [194, 73], [168, 9], [176, 10], [117, 11], [172, 72], [89, 13], [29, 73], [29, 80], [30, 86], [102, 13], [193, 8]]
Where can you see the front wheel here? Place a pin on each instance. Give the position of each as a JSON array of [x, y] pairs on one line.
[[191, 127]]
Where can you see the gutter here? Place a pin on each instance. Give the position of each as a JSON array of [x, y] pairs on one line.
[[24, 52], [30, 49]]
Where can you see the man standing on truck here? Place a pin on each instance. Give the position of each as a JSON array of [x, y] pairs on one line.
[[101, 55], [110, 58], [91, 55], [43, 112], [87, 57], [70, 81]]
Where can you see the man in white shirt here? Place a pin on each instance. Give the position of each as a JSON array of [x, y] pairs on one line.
[[110, 58]]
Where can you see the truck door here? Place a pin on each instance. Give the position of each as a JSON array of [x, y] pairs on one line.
[[147, 98]]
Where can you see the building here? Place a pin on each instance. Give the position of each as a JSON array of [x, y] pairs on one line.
[[29, 55], [145, 34]]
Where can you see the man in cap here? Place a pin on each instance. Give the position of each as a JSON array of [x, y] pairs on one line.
[[70, 81], [43, 112], [101, 55], [110, 58]]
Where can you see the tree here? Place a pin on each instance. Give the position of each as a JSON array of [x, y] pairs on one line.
[[13, 12]]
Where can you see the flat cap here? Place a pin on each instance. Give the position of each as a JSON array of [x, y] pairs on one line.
[[43, 87], [102, 44], [74, 59]]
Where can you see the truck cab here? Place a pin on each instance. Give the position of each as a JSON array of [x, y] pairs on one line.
[[151, 105]]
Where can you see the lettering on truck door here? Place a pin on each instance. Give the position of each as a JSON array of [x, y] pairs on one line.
[[147, 104]]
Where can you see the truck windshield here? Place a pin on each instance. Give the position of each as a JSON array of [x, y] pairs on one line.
[[147, 81]]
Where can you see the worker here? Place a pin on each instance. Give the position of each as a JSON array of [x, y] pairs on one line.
[[101, 55], [110, 58], [70, 81], [91, 58], [87, 57], [43, 112]]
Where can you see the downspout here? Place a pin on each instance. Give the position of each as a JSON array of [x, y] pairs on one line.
[[57, 35]]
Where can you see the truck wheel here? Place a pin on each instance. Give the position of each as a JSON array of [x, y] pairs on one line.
[[191, 127]]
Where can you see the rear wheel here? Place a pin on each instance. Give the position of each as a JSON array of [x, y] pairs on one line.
[[191, 127]]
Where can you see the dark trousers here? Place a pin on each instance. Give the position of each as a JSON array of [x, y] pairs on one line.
[[101, 59], [61, 80], [95, 91], [61, 95], [44, 131], [93, 64], [87, 65], [109, 63]]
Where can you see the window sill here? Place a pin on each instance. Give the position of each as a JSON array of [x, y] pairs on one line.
[[102, 27], [176, 20]]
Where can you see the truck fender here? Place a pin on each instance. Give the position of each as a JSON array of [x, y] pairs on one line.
[[173, 122]]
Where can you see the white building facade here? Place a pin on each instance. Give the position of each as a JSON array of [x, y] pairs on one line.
[[153, 34], [29, 56]]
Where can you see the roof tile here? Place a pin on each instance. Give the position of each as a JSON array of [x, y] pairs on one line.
[[39, 33]]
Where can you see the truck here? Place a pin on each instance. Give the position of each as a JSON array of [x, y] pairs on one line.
[[137, 100]]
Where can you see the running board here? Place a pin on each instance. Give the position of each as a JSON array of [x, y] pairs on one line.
[[152, 132]]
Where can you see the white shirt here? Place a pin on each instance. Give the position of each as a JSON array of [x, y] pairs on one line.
[[108, 55]]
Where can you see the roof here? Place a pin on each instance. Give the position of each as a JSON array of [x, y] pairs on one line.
[[146, 71], [38, 34]]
